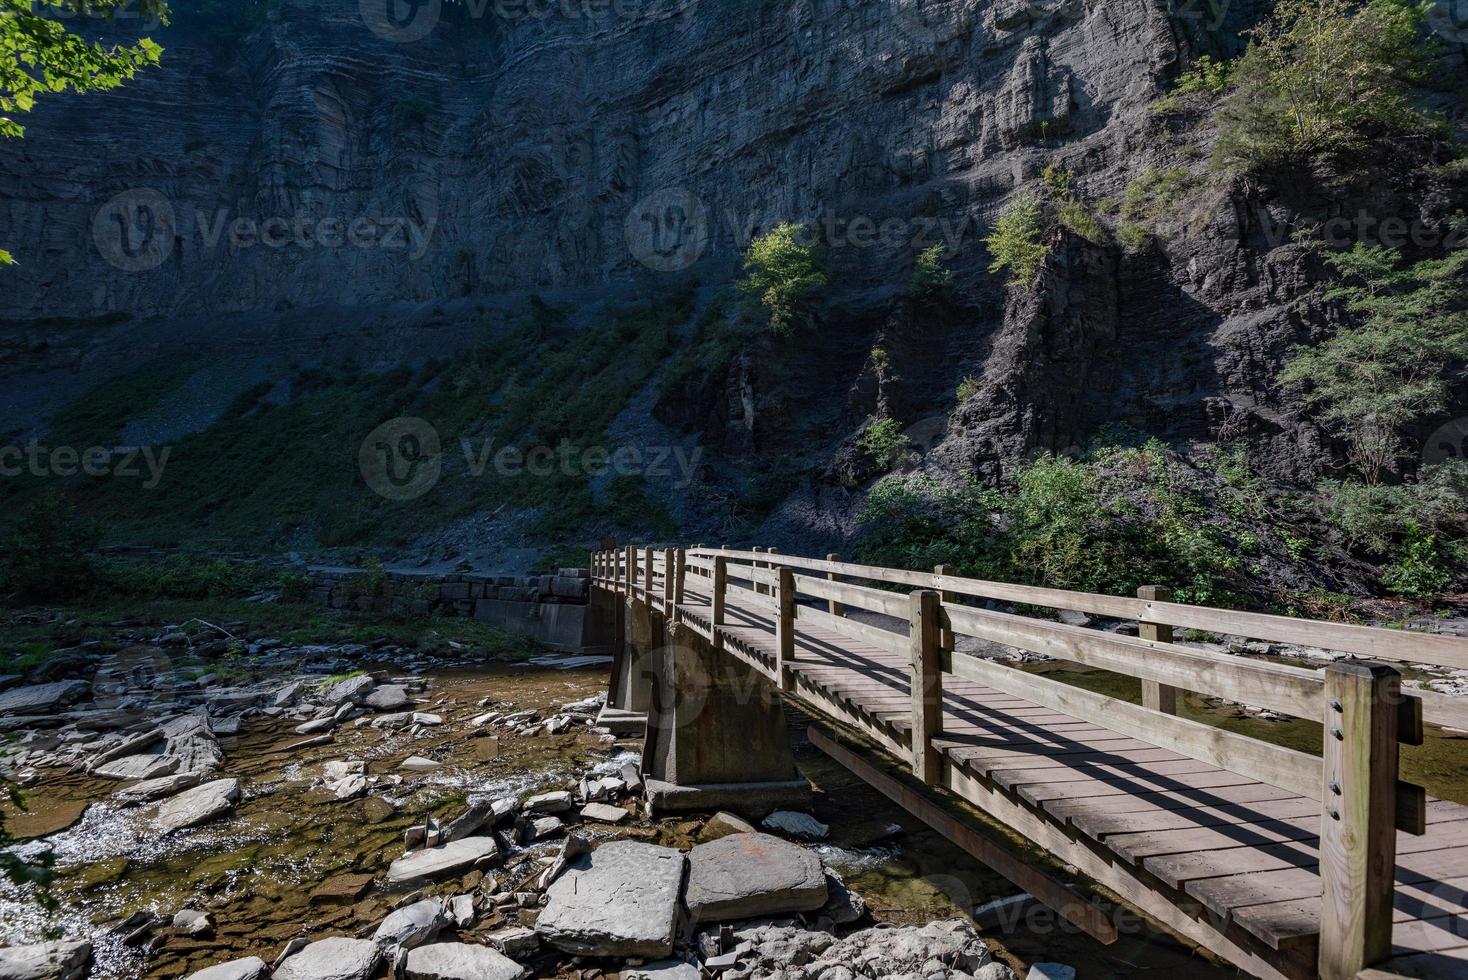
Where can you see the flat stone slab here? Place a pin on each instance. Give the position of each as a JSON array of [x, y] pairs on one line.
[[156, 789], [146, 767], [604, 813], [619, 900], [412, 925], [37, 699], [351, 689], [198, 805], [389, 697], [460, 961], [742, 876], [46, 961], [337, 958], [249, 968], [450, 858]]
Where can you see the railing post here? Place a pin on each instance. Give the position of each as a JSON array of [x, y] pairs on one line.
[[1156, 695], [648, 574], [832, 606], [946, 637], [680, 576], [631, 570], [785, 627], [758, 588], [925, 645], [669, 576], [719, 588], [1358, 837]]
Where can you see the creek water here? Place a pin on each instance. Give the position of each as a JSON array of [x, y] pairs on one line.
[[294, 861]]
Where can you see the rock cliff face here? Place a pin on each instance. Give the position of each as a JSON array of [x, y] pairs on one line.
[[354, 169]]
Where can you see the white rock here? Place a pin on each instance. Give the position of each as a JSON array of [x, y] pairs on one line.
[[46, 961], [1051, 971], [191, 922], [460, 961], [337, 958], [604, 813], [249, 968], [198, 805], [418, 763], [558, 801], [620, 900], [456, 856], [413, 925]]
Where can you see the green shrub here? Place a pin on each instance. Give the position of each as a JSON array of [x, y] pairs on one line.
[[1133, 236], [885, 443], [179, 577], [967, 388], [48, 553], [930, 280], [1207, 79], [1323, 77], [780, 272], [295, 588], [1017, 243], [1387, 370], [1081, 222], [1421, 567]]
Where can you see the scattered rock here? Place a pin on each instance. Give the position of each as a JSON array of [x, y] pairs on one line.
[[419, 764], [249, 968], [555, 802], [38, 699], [412, 925], [516, 942], [460, 961], [389, 697], [746, 875], [801, 825], [882, 951], [353, 689], [146, 767], [45, 961], [456, 856], [724, 823], [620, 900], [198, 805], [460, 910], [540, 828], [191, 922], [337, 958], [604, 813], [844, 906], [341, 890], [663, 970]]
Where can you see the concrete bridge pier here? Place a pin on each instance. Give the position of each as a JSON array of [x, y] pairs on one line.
[[716, 734], [625, 712]]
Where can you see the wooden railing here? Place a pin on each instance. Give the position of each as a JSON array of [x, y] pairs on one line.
[[1361, 705]]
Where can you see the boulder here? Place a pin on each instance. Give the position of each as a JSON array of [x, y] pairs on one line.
[[844, 906], [516, 941], [38, 699], [604, 813], [192, 922], [63, 960], [287, 695], [724, 823], [156, 789], [337, 958], [249, 968], [801, 825], [619, 900], [352, 689], [145, 767], [558, 801], [389, 697], [1051, 971], [198, 805], [418, 763], [747, 875], [460, 961], [413, 925], [451, 858]]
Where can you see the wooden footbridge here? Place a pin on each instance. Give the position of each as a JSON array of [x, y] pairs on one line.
[[1284, 863]]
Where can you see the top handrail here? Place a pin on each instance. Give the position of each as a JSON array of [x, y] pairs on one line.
[[1374, 642]]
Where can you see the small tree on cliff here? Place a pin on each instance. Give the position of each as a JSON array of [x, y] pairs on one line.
[[1321, 77], [781, 270], [1018, 241], [1386, 370], [38, 55]]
